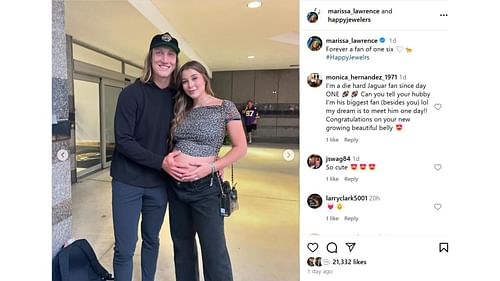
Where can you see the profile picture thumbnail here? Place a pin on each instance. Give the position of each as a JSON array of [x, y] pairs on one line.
[[310, 261], [312, 17], [314, 43], [314, 201], [314, 80], [314, 161]]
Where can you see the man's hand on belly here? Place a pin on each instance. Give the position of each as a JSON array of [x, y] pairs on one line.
[[174, 168]]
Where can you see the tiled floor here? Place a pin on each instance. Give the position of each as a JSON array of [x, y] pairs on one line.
[[262, 236]]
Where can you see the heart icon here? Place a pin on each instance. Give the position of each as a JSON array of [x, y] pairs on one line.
[[312, 247], [437, 206], [438, 106], [437, 167], [330, 206], [399, 48]]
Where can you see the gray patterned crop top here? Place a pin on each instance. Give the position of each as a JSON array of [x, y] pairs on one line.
[[202, 131]]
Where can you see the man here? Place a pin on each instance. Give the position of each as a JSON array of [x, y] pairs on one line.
[[139, 186], [251, 114]]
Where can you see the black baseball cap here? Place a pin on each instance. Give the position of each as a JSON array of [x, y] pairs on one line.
[[165, 40]]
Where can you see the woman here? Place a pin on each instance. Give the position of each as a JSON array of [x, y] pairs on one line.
[[198, 130]]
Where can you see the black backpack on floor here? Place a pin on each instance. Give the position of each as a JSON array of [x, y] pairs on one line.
[[78, 262]]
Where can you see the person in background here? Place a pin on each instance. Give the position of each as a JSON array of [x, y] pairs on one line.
[[251, 115]]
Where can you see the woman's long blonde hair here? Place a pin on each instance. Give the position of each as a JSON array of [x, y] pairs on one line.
[[183, 103]]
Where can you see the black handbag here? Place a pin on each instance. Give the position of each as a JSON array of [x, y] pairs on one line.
[[229, 196]]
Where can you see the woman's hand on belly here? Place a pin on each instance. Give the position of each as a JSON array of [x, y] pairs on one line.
[[174, 167], [198, 167], [200, 170]]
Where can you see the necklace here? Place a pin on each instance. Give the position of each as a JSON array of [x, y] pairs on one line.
[[204, 102]]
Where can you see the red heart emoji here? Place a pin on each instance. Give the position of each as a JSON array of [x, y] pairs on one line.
[[330, 206]]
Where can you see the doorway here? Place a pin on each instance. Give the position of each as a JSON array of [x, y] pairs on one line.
[[95, 104]]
